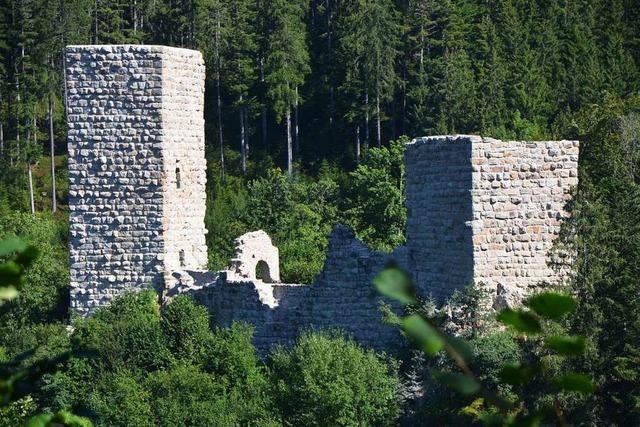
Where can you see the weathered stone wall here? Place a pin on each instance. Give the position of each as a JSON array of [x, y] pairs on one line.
[[519, 194], [341, 297], [183, 191], [134, 112], [479, 209], [485, 210], [439, 208], [255, 258]]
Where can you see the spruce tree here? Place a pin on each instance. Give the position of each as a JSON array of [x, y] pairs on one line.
[[287, 61]]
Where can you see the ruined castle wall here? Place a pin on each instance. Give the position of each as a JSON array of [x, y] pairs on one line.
[[439, 208], [486, 211], [123, 106], [519, 193], [342, 297]]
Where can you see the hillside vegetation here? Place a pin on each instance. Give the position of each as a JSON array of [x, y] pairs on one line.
[[354, 78]]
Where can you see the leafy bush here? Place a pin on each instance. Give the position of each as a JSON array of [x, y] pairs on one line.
[[374, 197], [119, 399], [127, 335], [186, 329], [44, 296], [325, 380]]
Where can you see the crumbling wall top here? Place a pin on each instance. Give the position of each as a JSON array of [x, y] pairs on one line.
[[256, 258]]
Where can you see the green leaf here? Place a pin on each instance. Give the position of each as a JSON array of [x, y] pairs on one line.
[[461, 347], [10, 273], [396, 284], [425, 335], [26, 257], [68, 419], [567, 346], [552, 305], [459, 382], [40, 420], [574, 382], [522, 321], [11, 245], [517, 374], [7, 293]]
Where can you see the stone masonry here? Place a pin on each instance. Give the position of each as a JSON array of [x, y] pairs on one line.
[[479, 209], [136, 168], [485, 210]]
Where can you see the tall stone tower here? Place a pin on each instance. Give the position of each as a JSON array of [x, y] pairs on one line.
[[137, 169], [486, 211]]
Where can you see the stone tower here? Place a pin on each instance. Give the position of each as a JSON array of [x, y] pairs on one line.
[[486, 211], [137, 169]]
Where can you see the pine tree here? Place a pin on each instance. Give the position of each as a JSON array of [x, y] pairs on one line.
[[239, 51], [287, 61], [209, 25]]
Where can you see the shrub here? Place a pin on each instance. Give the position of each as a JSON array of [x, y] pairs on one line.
[[329, 381], [127, 334], [119, 399], [185, 326], [184, 395]]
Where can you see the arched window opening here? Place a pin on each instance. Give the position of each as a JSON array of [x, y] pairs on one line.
[[181, 256], [178, 183], [263, 273]]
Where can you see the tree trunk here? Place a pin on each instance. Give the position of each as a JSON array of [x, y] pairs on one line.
[[135, 17], [289, 148], [54, 205], [31, 201], [296, 139], [95, 37], [264, 107], [358, 144], [403, 123], [379, 130], [242, 144], [220, 126], [245, 122], [219, 98], [366, 118], [330, 55], [1, 140]]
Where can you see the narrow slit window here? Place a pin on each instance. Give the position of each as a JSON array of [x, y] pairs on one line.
[[181, 256], [178, 182]]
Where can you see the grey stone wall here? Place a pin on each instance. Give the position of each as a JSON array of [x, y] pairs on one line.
[[438, 183], [134, 114], [342, 297], [485, 210]]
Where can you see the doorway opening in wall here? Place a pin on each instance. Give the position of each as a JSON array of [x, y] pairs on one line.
[[263, 272]]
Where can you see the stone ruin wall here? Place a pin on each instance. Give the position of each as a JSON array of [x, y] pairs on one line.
[[485, 210], [342, 297], [134, 116], [479, 209]]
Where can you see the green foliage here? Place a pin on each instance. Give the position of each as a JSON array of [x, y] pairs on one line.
[[127, 336], [298, 215], [375, 197], [119, 399], [186, 329], [325, 380], [183, 395], [603, 238], [513, 409], [135, 363]]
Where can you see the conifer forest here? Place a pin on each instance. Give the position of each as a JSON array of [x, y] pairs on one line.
[[307, 106]]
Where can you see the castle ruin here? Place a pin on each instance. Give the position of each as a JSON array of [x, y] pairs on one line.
[[479, 209]]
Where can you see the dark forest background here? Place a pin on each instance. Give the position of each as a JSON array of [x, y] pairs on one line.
[[307, 105]]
